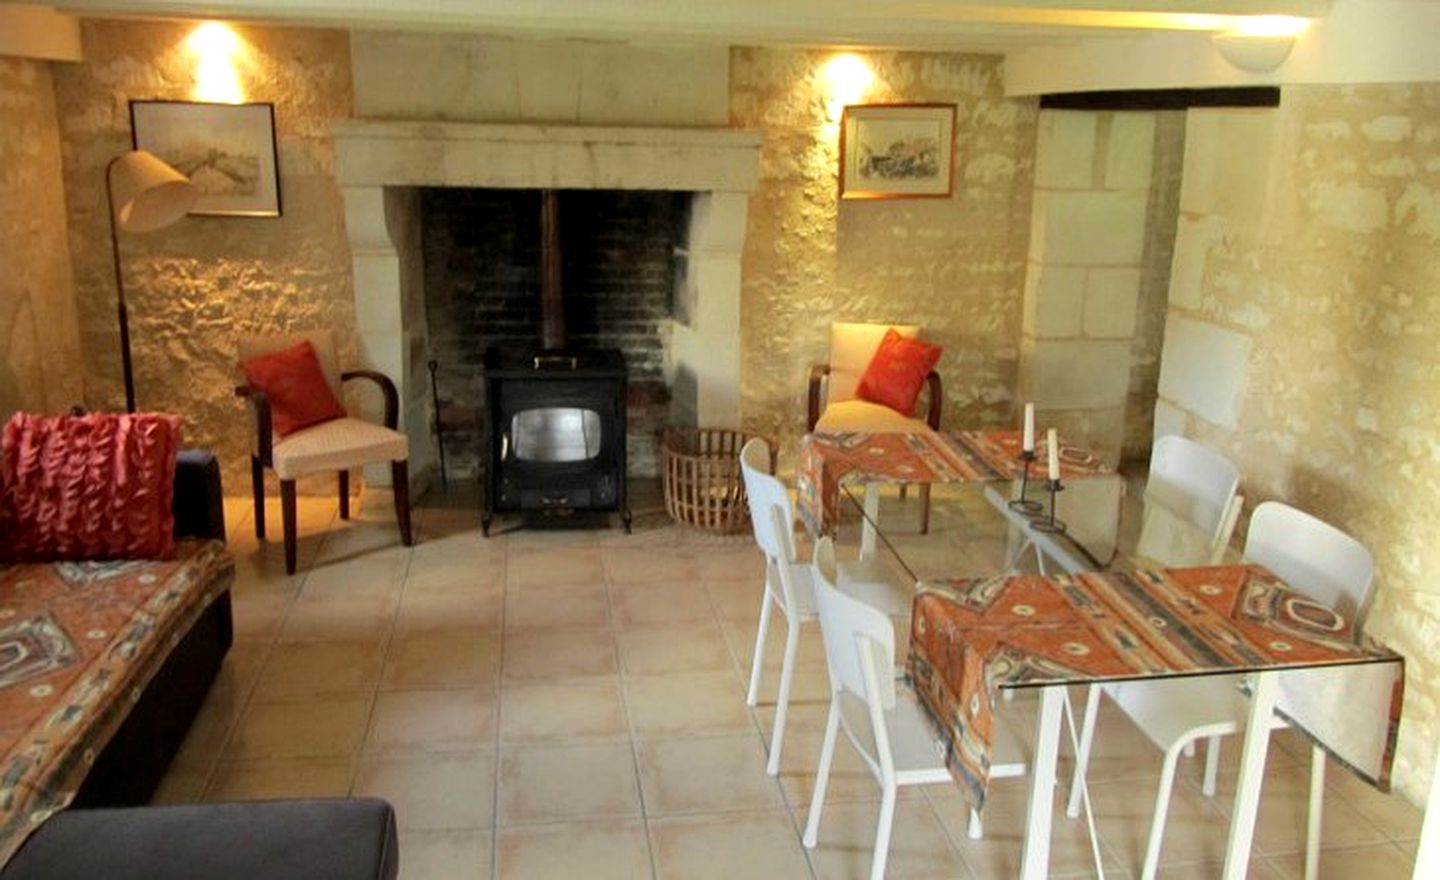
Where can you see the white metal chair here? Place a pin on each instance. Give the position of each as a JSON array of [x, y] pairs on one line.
[[788, 582], [881, 717], [1316, 558]]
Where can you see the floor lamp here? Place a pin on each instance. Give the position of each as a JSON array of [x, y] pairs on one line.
[[145, 194]]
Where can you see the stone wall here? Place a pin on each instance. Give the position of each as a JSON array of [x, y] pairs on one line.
[[955, 266], [39, 340], [197, 286], [1301, 339]]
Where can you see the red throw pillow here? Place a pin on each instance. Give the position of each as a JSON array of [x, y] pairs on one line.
[[98, 486], [897, 372], [295, 385]]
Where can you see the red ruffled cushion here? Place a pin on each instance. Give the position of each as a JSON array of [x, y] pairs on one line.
[[98, 486], [897, 372], [296, 387]]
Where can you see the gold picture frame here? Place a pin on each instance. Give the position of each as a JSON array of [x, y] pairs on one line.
[[897, 151]]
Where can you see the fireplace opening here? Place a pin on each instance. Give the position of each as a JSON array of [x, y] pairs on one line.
[[484, 273]]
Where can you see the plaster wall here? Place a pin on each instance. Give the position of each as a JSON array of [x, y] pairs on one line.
[[954, 266], [195, 287], [39, 338], [1304, 309]]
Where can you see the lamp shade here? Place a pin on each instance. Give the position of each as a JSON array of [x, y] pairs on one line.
[[146, 193]]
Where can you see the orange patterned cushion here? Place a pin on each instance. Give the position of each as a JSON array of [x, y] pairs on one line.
[[897, 372], [99, 486], [296, 387]]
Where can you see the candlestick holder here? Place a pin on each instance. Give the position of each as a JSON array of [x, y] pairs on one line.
[[1050, 523], [1022, 504]]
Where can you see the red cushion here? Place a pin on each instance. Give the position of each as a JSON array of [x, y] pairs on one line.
[[897, 372], [296, 387], [98, 486]]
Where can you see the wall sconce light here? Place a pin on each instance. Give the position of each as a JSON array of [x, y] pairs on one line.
[[846, 77], [217, 79], [1259, 43]]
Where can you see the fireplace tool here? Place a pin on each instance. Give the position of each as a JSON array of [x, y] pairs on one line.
[[434, 365]]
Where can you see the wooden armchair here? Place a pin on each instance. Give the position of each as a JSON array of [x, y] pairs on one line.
[[337, 445], [833, 405]]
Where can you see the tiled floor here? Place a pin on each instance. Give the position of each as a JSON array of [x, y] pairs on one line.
[[571, 703]]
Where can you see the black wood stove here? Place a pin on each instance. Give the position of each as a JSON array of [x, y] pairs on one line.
[[554, 416]]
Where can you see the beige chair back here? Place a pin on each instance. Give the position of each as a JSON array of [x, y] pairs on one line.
[[325, 351], [852, 346]]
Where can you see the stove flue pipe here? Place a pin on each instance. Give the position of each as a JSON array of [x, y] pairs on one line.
[[552, 304]]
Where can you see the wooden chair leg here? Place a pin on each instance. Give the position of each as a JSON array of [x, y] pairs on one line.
[[287, 515], [925, 508], [257, 484], [345, 494], [400, 481]]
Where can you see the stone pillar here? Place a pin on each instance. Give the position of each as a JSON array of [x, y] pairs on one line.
[[1087, 238], [383, 224], [704, 368]]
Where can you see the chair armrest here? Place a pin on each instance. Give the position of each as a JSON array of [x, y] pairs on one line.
[[387, 388], [817, 374], [937, 400], [263, 429]]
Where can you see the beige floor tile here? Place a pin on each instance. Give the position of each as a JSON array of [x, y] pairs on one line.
[[553, 567], [258, 613], [809, 653], [850, 779], [809, 699], [737, 601], [455, 577], [1284, 806], [728, 845], [463, 854], [539, 540], [1195, 831], [567, 783], [593, 850], [658, 605], [433, 720], [705, 775], [846, 847], [1259, 869], [997, 853], [315, 728], [574, 710], [280, 778], [1395, 816], [586, 606], [1376, 861], [442, 659], [181, 785], [367, 572], [350, 618], [639, 566], [687, 703], [681, 647], [296, 670], [433, 792], [540, 654], [742, 561], [428, 611]]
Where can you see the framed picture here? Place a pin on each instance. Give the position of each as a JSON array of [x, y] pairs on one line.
[[227, 151], [897, 151]]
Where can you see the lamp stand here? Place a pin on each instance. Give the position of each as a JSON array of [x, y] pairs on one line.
[[123, 313]]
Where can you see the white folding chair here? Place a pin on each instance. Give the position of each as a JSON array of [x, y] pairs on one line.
[[881, 717], [1312, 556], [788, 582]]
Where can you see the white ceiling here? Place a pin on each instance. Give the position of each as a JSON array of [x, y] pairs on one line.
[[942, 24]]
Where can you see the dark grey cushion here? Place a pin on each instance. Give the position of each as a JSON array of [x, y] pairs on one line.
[[276, 840]]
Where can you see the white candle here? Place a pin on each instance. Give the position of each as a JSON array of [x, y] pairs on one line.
[[1029, 443], [1052, 444]]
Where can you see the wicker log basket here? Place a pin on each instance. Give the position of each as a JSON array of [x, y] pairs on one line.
[[701, 475]]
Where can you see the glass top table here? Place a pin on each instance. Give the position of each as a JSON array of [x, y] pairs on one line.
[[1113, 523]]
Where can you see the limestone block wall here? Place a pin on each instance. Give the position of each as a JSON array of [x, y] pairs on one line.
[[1093, 248], [955, 266], [39, 338], [1301, 337], [195, 287]]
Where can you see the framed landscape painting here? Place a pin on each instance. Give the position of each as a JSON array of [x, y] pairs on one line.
[[227, 151], [897, 151]]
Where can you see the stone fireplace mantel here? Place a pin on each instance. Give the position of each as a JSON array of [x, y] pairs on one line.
[[381, 163]]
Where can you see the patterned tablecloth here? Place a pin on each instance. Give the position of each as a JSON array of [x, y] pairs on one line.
[[78, 643], [827, 460], [970, 638]]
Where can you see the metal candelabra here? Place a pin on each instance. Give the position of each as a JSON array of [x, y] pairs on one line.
[[1022, 504], [1050, 523]]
